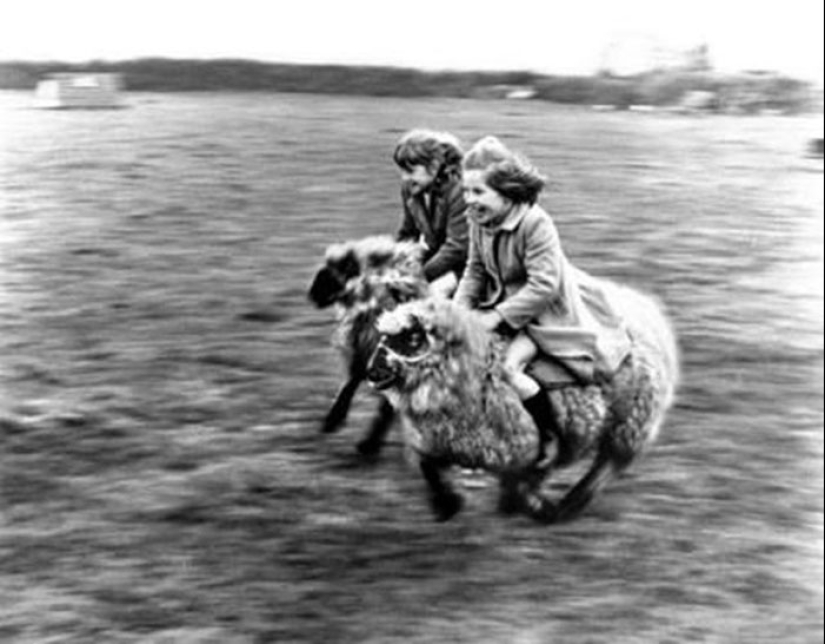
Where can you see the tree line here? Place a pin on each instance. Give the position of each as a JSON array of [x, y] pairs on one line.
[[748, 91]]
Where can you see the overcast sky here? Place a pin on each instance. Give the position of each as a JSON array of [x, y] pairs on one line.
[[551, 36]]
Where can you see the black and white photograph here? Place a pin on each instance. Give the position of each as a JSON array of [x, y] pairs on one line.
[[366, 322]]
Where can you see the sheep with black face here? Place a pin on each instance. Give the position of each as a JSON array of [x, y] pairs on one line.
[[364, 278]]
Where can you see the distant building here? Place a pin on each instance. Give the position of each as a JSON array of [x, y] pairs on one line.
[[79, 90], [698, 101], [505, 91], [521, 93]]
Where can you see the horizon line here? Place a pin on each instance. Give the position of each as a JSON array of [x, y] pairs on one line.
[[448, 70]]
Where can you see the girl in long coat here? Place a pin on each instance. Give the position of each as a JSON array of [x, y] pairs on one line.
[[518, 276]]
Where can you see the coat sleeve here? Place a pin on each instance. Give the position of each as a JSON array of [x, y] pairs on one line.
[[451, 256], [473, 282], [408, 231], [543, 264]]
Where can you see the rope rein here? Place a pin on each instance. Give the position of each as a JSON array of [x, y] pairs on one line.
[[406, 359]]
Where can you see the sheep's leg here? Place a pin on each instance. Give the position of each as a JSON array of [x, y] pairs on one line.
[[444, 502], [510, 496], [534, 503], [603, 469], [340, 408], [373, 442]]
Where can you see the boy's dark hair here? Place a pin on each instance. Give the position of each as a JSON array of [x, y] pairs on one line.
[[430, 149]]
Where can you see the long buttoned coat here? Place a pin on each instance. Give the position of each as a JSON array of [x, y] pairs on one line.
[[439, 220], [519, 269]]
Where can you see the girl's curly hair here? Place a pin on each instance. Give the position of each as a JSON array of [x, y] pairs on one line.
[[509, 174], [429, 148]]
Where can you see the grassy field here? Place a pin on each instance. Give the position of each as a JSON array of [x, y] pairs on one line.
[[163, 379]]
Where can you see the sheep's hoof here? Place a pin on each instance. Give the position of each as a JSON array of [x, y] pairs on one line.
[[446, 506], [540, 509]]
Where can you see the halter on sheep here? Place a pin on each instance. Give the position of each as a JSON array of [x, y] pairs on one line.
[[460, 409], [364, 278]]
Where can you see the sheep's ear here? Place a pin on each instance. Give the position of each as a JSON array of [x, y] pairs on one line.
[[348, 265]]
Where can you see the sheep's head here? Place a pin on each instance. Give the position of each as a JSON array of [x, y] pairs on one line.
[[421, 338], [330, 281], [363, 261], [403, 343]]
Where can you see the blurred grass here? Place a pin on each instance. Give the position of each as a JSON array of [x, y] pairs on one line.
[[162, 379]]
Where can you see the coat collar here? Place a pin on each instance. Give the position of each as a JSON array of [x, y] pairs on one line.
[[511, 221]]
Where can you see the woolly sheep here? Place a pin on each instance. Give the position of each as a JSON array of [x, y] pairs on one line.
[[458, 407]]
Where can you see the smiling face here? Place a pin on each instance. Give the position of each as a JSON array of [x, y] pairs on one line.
[[485, 206], [417, 178]]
